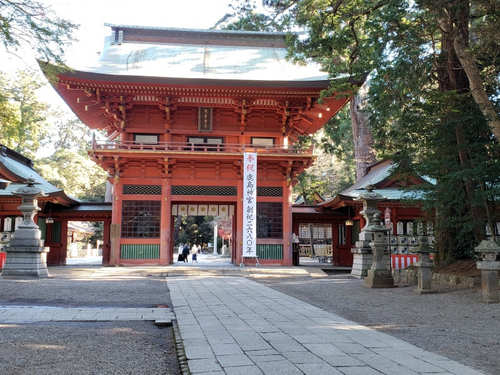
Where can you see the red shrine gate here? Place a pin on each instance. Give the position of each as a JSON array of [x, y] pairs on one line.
[[180, 141]]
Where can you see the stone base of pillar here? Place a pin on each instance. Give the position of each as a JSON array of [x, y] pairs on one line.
[[25, 263], [361, 263], [424, 278], [379, 279], [424, 291], [489, 281]]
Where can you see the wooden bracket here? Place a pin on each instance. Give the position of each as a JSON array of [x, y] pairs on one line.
[[167, 167], [243, 116], [238, 168], [284, 118], [217, 169], [168, 107], [116, 167], [193, 169]]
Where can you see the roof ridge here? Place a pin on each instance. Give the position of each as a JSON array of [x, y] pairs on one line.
[[193, 30], [4, 150]]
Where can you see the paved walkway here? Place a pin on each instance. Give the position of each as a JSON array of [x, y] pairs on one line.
[[232, 325], [203, 260], [32, 314]]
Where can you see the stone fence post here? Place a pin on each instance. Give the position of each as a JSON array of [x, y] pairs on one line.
[[424, 267], [489, 251]]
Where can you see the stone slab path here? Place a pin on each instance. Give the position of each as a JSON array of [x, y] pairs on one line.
[[33, 314], [233, 325]]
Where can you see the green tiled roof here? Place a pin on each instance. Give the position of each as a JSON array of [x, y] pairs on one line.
[[201, 60], [24, 172]]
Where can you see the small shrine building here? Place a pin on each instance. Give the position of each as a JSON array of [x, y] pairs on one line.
[[56, 208], [335, 223], [180, 108]]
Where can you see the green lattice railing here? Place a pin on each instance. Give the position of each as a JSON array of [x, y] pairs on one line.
[[140, 251], [270, 251]]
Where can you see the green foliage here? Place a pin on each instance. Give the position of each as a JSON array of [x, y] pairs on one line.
[[337, 138], [98, 234], [193, 230], [70, 167], [334, 167], [74, 172], [26, 129], [244, 15], [22, 115], [33, 25]]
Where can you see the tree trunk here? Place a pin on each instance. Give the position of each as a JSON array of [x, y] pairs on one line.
[[476, 83], [453, 78], [362, 137]]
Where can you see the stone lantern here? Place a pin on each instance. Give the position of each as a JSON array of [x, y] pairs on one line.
[[26, 257], [489, 252], [379, 274], [424, 267], [362, 252], [370, 258]]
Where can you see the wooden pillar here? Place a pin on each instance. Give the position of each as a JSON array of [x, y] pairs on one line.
[[116, 220], [64, 240], [287, 225], [394, 220], [239, 223], [348, 236], [335, 244], [165, 225], [106, 245]]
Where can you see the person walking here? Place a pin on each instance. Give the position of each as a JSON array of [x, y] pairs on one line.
[[179, 253], [185, 252], [194, 252]]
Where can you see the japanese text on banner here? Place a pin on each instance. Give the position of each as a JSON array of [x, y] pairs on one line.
[[249, 204]]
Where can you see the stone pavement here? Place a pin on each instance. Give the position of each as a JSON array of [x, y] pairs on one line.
[[32, 314], [233, 325]]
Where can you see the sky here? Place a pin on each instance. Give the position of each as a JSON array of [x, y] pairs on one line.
[[91, 16]]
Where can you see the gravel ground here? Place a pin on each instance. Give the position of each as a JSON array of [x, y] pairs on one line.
[[455, 324], [87, 347], [70, 286]]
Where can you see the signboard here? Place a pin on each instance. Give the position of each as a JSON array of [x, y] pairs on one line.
[[249, 204], [387, 217], [7, 224], [205, 119]]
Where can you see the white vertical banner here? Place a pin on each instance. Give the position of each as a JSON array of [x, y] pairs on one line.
[[250, 204]]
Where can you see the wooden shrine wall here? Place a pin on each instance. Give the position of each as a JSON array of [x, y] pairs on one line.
[[226, 122], [269, 174]]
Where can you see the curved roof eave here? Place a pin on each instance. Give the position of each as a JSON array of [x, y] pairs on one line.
[[176, 81]]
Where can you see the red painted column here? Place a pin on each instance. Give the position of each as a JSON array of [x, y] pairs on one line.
[[116, 219], [394, 219], [287, 225], [165, 224], [239, 222], [106, 245]]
